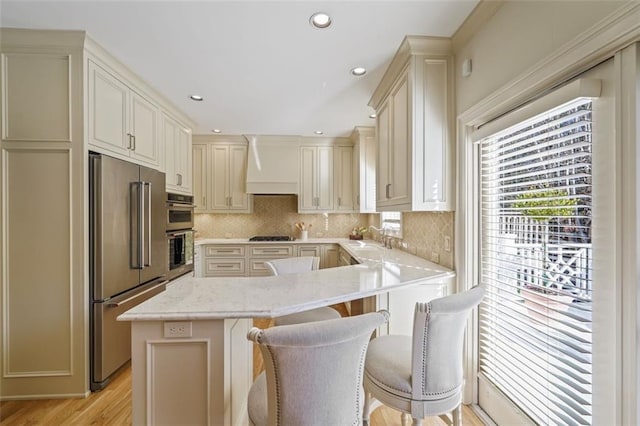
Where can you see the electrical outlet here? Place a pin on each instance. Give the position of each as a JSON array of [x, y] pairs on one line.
[[435, 257], [177, 329], [447, 243]]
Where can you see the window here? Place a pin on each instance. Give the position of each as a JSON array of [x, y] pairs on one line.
[[536, 257], [393, 222]]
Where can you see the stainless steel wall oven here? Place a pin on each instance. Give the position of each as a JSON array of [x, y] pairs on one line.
[[180, 234]]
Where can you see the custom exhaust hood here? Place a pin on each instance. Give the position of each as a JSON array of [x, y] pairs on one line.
[[272, 166]]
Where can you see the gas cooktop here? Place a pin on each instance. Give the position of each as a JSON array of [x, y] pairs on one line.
[[271, 238]]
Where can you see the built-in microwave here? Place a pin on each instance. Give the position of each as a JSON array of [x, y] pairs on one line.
[[180, 252], [179, 212]]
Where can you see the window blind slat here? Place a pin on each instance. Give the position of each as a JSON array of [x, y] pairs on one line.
[[536, 262]]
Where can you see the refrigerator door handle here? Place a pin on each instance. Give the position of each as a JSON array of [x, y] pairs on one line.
[[137, 231], [116, 303], [147, 262]]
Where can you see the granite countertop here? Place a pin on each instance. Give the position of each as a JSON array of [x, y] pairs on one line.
[[380, 270]]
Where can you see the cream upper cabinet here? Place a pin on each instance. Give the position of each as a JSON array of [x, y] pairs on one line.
[[413, 103], [364, 169], [316, 179], [121, 120], [178, 155], [344, 197], [219, 175], [200, 177]]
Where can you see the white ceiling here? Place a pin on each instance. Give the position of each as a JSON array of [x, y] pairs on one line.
[[260, 66]]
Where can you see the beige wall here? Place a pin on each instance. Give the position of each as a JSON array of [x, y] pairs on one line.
[[275, 215], [508, 38]]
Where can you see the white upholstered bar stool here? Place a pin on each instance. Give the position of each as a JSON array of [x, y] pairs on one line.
[[421, 375], [313, 372], [294, 265]]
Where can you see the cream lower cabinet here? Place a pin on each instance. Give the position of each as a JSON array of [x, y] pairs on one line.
[[414, 107], [122, 122], [177, 155], [329, 256], [258, 254], [328, 253], [219, 175], [313, 250], [223, 260], [195, 379]]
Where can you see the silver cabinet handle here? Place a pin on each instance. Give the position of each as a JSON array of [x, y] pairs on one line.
[[129, 140], [339, 201], [179, 179], [140, 225], [133, 138], [388, 187]]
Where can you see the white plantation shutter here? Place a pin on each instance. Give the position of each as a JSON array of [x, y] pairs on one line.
[[535, 341]]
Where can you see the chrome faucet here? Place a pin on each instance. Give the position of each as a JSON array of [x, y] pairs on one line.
[[384, 236]]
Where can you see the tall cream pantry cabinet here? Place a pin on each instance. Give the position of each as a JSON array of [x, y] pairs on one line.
[[61, 96], [414, 107]]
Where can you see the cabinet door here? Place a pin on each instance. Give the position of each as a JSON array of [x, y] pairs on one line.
[[239, 200], [400, 166], [307, 195], [384, 153], [200, 177], [108, 99], [367, 175], [144, 128], [184, 162], [329, 256], [219, 177], [169, 138], [343, 178], [324, 178]]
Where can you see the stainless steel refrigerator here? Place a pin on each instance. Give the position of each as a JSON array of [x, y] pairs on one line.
[[128, 254]]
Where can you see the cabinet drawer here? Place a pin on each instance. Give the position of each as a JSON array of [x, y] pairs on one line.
[[272, 252], [224, 251], [224, 267], [257, 268]]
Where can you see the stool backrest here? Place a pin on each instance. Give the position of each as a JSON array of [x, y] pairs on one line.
[[438, 338], [314, 370], [293, 265]]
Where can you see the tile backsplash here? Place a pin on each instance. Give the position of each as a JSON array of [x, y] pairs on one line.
[[275, 215], [423, 232]]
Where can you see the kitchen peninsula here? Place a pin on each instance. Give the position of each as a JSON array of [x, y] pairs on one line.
[[191, 361]]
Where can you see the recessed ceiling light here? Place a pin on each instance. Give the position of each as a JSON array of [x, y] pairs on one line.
[[358, 71], [216, 130], [319, 132], [320, 20], [372, 116], [196, 97]]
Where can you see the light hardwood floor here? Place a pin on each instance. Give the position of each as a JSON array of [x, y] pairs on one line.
[[112, 406]]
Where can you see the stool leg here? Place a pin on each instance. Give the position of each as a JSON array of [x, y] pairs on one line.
[[457, 416], [405, 419]]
